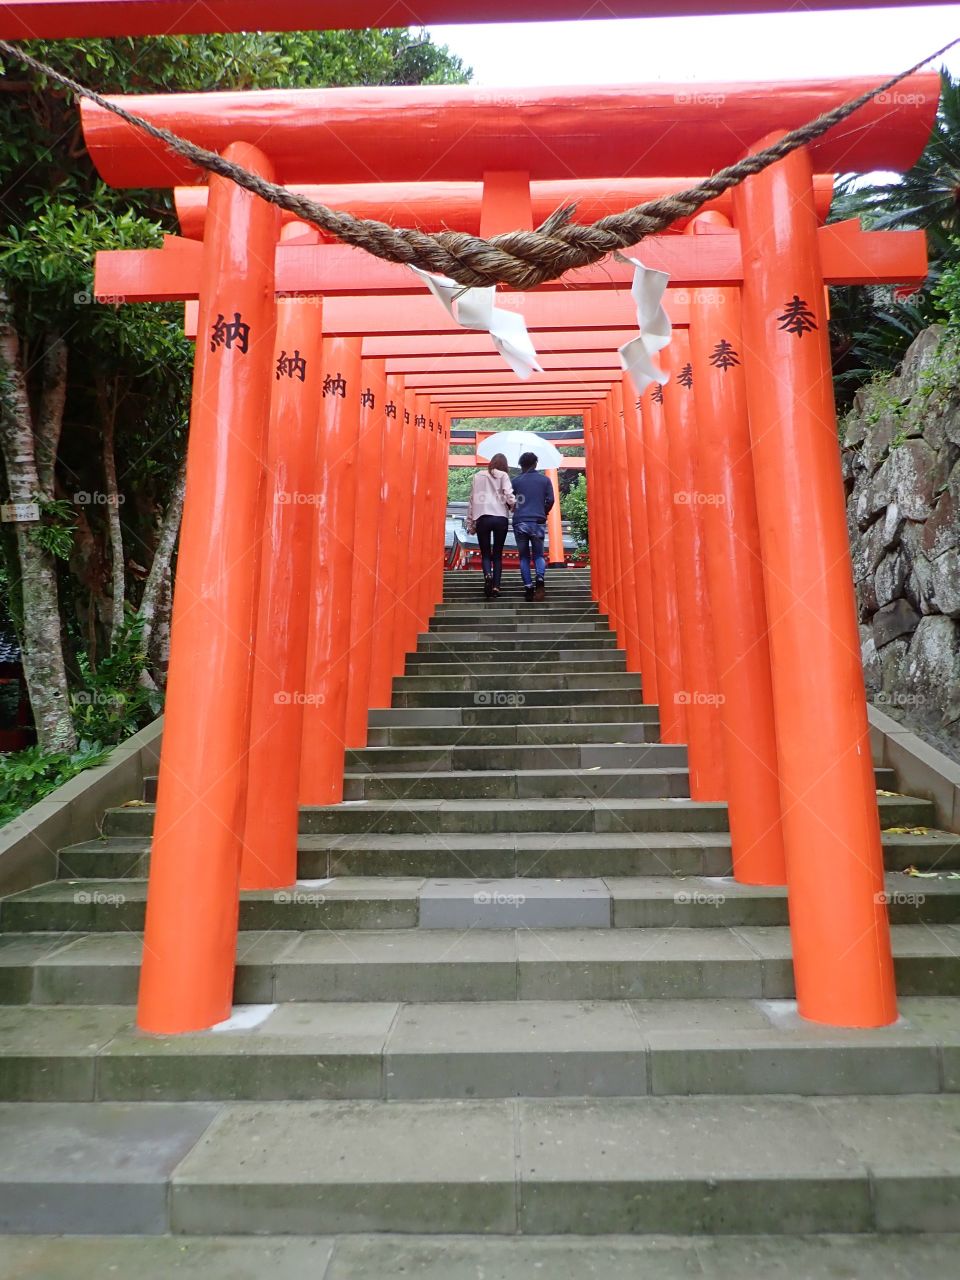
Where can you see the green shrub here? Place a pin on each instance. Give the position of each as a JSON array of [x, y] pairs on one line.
[[113, 703], [29, 775]]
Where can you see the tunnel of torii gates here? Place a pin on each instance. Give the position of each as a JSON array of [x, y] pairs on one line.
[[325, 381]]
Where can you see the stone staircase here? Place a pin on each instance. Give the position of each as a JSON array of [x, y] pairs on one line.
[[515, 993]]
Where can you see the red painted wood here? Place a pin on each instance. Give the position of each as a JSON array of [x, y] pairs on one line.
[[848, 255], [435, 205], [459, 132], [60, 19]]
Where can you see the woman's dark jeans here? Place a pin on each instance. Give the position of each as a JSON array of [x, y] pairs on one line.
[[492, 534]]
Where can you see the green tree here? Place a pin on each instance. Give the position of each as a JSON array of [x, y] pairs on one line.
[[94, 398], [872, 326], [573, 507]]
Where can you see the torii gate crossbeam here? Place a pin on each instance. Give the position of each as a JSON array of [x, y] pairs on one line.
[[62, 19]]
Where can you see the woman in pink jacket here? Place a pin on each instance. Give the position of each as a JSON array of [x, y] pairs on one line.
[[491, 501]]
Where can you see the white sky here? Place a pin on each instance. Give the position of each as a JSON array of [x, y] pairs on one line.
[[791, 46]]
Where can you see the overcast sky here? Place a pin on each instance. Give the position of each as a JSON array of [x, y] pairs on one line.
[[762, 47]]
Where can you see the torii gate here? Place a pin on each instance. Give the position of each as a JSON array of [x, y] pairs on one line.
[[756, 362]]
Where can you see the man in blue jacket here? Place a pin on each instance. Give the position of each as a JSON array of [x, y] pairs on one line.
[[534, 494]]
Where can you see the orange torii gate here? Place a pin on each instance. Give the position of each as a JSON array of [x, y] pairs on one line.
[[766, 373]]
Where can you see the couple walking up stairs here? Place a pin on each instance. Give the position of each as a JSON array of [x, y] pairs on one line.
[[515, 1014]]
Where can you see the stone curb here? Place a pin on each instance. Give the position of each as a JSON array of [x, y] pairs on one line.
[[921, 770], [29, 844]]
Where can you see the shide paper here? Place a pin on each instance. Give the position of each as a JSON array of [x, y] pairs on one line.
[[636, 356], [474, 309]]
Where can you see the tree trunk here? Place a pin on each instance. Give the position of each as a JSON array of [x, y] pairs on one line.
[[53, 396], [42, 647], [108, 415], [153, 588]]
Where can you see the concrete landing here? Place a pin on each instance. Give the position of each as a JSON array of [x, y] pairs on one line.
[[405, 1257]]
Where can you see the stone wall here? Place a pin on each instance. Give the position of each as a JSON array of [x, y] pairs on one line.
[[901, 467]]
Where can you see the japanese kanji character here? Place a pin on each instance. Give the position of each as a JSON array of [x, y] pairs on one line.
[[227, 332]]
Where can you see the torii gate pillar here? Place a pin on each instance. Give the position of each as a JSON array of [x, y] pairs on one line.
[[841, 937], [190, 938]]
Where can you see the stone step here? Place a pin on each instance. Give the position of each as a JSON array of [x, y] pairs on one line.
[[436, 965], [513, 590], [655, 900], [518, 784], [524, 631], [629, 854], [462, 1050], [534, 685], [748, 1164], [572, 782], [451, 646], [535, 667], [511, 622], [528, 718], [482, 817], [517, 701], [653, 755], [518, 735], [465, 1257], [504, 610]]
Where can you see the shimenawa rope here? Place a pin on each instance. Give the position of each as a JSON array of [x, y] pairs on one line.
[[521, 259]]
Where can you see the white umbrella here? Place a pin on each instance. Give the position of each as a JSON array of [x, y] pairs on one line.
[[513, 443]]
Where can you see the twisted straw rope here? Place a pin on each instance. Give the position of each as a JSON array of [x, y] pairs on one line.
[[522, 259]]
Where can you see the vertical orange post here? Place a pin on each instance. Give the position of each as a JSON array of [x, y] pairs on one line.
[[598, 560], [605, 520], [407, 623], [393, 498], [619, 492], [633, 439], [273, 767], [421, 565], [443, 477], [838, 920], [186, 982], [555, 552], [735, 577], [328, 645], [612, 510], [700, 693], [663, 573], [366, 539]]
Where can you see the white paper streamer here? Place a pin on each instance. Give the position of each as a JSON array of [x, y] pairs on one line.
[[636, 356], [474, 309]]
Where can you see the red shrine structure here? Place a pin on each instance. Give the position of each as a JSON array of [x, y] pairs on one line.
[[324, 389]]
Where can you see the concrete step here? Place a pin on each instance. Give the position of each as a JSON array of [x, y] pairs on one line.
[[627, 854], [600, 781], [519, 735], [386, 1050], [534, 685], [750, 962], [513, 590], [504, 621], [488, 632], [654, 900], [465, 1257], [452, 645], [482, 817], [420, 759], [518, 701], [526, 719], [535, 666], [516, 609], [518, 784], [533, 1167]]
